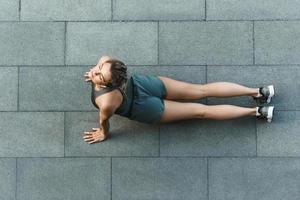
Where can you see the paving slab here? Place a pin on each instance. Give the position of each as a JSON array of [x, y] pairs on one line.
[[281, 137], [9, 88], [64, 178], [67, 10], [126, 137], [252, 9], [7, 178], [31, 134], [159, 178], [254, 178], [201, 137], [277, 42], [134, 42], [32, 43], [210, 42], [158, 10], [9, 10], [54, 88]]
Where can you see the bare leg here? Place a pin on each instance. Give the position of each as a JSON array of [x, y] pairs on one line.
[[179, 90], [180, 111], [227, 89], [222, 112]]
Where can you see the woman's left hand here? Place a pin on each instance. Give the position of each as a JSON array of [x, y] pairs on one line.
[[97, 135]]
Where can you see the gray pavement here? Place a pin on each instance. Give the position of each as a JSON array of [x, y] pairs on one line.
[[46, 46]]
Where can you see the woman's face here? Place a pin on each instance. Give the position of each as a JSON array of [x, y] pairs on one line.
[[100, 74]]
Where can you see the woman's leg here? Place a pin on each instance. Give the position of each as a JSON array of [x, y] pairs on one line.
[[222, 112], [181, 111], [227, 89], [179, 90]]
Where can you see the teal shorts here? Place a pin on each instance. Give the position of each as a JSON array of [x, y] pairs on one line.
[[148, 104]]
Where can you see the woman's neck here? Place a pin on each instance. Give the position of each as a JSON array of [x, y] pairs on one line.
[[98, 87]]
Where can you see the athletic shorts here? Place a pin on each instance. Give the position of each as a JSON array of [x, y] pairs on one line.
[[148, 104]]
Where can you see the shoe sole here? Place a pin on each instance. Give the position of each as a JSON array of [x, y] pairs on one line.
[[270, 114], [272, 92]]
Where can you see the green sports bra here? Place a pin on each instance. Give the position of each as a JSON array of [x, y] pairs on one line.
[[125, 108]]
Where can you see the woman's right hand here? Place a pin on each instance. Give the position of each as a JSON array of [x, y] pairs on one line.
[[88, 76]]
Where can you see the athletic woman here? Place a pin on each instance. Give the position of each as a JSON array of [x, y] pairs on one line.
[[152, 99]]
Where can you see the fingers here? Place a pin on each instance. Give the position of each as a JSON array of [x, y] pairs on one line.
[[93, 136], [88, 140], [91, 131], [87, 76], [93, 142]]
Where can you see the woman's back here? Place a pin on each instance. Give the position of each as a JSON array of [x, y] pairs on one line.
[[108, 95]]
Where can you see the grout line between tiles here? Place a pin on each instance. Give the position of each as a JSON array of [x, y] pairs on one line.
[[205, 11], [110, 178], [65, 44], [84, 111], [207, 172], [253, 41], [256, 136], [16, 186], [19, 10], [64, 133], [18, 91], [206, 68], [159, 140], [163, 20], [158, 43], [161, 65], [111, 10], [160, 157]]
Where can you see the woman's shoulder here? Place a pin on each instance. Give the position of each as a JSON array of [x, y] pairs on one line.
[[113, 97]]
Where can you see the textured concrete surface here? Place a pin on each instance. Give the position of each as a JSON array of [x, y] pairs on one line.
[[47, 46]]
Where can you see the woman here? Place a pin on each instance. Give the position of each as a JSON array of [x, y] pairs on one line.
[[152, 99]]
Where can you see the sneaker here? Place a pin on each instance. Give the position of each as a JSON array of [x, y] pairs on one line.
[[266, 112], [267, 92]]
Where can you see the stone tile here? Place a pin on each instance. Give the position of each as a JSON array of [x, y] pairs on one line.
[[252, 9], [126, 137], [31, 134], [7, 178], [9, 10], [254, 178], [8, 88], [54, 88], [64, 178], [39, 10], [190, 74], [277, 42], [158, 10], [205, 43], [132, 42], [200, 137], [286, 89], [30, 43], [159, 178], [281, 137]]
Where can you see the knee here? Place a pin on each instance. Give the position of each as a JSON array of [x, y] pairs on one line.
[[201, 111], [202, 89]]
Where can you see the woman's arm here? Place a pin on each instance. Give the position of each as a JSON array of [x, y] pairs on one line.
[[103, 59], [100, 134], [105, 113]]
